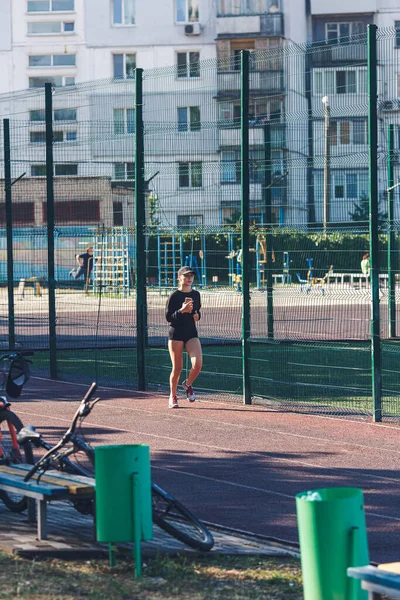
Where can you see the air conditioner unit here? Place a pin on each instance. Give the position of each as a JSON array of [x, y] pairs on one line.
[[192, 29]]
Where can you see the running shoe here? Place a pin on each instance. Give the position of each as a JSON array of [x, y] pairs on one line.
[[190, 395], [173, 402]]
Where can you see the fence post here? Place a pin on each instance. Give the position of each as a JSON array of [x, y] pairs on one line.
[[50, 228], [140, 218], [10, 257], [376, 362], [391, 257], [268, 220], [245, 236]]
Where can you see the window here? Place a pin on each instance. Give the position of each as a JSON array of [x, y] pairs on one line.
[[236, 49], [124, 121], [65, 114], [51, 6], [52, 60], [346, 82], [335, 32], [38, 170], [56, 81], [189, 118], [350, 81], [124, 171], [345, 185], [65, 170], [260, 111], [237, 60], [60, 170], [60, 114], [39, 137], [349, 185], [188, 64], [50, 27], [190, 174], [23, 213], [187, 11], [231, 166], [190, 220], [397, 27], [37, 115], [123, 12], [74, 211], [124, 66], [118, 214]]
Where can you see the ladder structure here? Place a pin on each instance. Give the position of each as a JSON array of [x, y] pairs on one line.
[[170, 258], [112, 261]]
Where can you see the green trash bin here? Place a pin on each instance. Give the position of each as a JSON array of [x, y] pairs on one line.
[[333, 537], [116, 465]]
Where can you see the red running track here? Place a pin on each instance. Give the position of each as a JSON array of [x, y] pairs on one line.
[[235, 465]]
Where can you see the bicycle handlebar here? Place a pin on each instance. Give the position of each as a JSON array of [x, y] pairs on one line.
[[82, 411]]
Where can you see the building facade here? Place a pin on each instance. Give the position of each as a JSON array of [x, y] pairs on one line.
[[192, 112]]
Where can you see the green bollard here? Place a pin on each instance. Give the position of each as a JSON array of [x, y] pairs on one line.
[[333, 537], [123, 497]]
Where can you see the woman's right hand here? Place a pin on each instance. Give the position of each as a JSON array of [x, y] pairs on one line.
[[187, 307]]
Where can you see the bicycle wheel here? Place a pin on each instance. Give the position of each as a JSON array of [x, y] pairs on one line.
[[80, 463], [13, 456], [178, 521]]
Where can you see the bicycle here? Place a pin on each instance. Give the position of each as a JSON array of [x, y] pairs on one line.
[[13, 376], [68, 454]]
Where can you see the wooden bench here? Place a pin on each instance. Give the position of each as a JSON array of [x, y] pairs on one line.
[[40, 490], [378, 581]]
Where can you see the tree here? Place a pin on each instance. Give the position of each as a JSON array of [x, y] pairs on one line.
[[361, 212]]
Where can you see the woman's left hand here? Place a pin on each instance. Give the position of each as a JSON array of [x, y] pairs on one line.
[[196, 316]]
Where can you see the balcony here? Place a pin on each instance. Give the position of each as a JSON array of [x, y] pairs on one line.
[[268, 25], [267, 82], [331, 55], [229, 135]]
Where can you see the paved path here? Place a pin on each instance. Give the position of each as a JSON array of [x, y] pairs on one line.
[[71, 535], [240, 466]]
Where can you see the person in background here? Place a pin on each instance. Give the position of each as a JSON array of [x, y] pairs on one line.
[[85, 264], [365, 264], [182, 313]]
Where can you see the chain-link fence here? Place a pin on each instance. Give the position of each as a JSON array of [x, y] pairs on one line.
[[269, 146]]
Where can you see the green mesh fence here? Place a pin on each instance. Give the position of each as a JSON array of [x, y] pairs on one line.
[[308, 209]]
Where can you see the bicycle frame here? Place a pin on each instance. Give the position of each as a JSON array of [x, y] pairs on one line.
[[5, 406], [55, 453]]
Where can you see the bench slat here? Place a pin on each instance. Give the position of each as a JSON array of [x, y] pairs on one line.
[[60, 474], [42, 488], [75, 488]]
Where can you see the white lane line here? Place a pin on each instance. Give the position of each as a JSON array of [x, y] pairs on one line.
[[225, 482], [258, 407], [254, 489], [218, 448]]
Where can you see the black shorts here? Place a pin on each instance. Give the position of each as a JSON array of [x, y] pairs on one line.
[[181, 336]]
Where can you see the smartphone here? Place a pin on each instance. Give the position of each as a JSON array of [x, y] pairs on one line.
[[188, 300]]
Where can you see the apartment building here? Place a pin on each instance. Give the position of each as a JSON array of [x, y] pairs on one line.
[[339, 86], [194, 167]]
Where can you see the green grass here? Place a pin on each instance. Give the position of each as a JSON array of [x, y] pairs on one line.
[[336, 375], [212, 577]]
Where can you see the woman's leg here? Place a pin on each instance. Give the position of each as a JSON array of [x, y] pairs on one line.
[[175, 348], [193, 348]]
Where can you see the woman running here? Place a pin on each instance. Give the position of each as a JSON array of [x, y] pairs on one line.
[[182, 312]]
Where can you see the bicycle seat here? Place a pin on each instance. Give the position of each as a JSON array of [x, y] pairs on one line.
[[28, 434]]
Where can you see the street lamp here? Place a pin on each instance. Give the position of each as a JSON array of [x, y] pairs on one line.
[[327, 162]]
